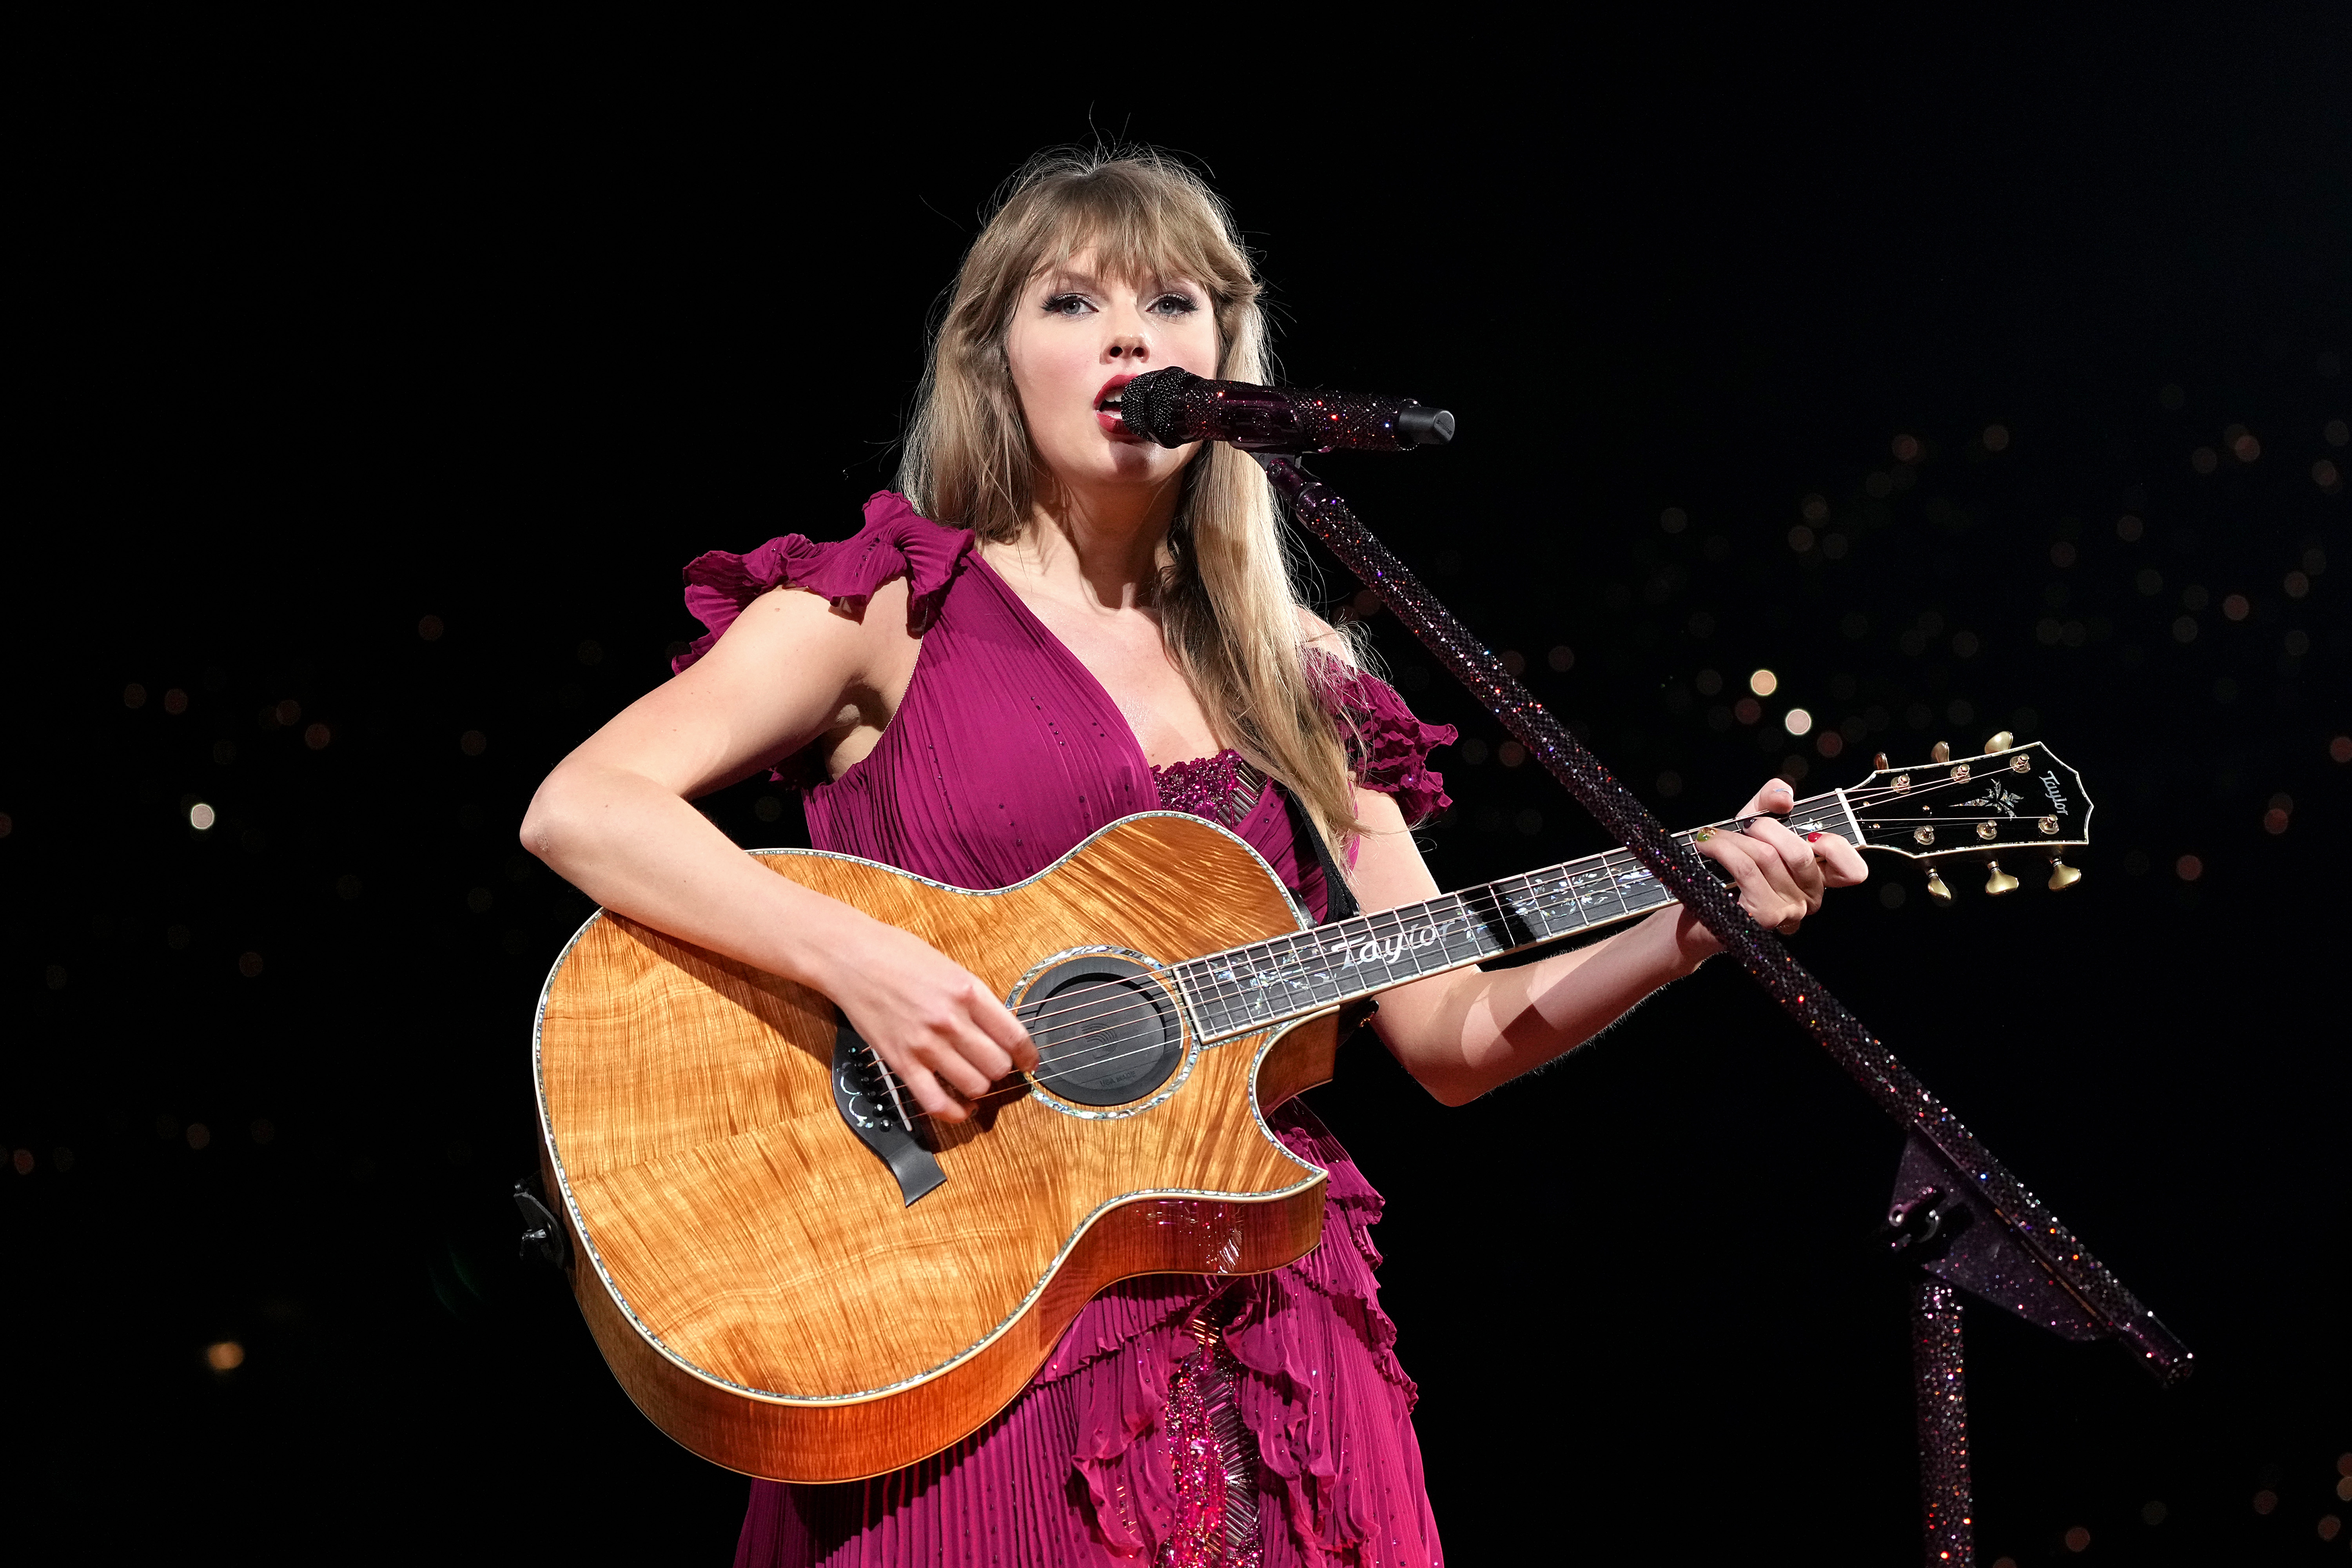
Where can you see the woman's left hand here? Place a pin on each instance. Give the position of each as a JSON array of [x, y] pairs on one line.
[[1781, 875]]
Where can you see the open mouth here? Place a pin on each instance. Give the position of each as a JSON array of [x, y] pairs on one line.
[[1107, 401]]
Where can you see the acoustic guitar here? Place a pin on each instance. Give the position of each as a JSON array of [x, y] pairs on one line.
[[795, 1277]]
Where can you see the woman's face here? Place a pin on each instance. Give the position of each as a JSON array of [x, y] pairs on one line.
[[1077, 338]]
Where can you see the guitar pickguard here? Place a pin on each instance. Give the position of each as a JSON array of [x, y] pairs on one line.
[[866, 1106]]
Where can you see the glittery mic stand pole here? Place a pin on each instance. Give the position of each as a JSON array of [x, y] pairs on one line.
[[1937, 1372], [1974, 1224]]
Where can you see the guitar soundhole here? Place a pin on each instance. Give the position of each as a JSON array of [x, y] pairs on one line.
[[1107, 1032]]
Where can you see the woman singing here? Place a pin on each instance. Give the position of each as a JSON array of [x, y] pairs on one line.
[[1054, 624]]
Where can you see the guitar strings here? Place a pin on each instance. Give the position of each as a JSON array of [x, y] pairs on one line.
[[1560, 889], [1557, 889], [1064, 1060], [1558, 885], [1061, 1031]]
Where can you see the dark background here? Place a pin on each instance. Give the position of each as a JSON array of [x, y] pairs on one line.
[[376, 387]]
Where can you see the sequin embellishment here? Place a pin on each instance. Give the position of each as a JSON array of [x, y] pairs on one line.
[[1212, 1456], [1223, 788]]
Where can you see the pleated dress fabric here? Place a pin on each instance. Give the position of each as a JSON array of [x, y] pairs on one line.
[[1004, 753]]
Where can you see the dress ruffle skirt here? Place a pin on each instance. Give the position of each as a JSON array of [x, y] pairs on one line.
[[1082, 1468]]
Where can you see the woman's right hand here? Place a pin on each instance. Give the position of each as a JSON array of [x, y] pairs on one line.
[[933, 1023]]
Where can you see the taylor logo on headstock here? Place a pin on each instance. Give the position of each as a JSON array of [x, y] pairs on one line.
[[2050, 787]]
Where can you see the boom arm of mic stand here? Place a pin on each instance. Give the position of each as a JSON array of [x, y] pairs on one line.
[[1986, 1183]]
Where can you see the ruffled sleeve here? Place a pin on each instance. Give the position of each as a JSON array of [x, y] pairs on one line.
[[1387, 745], [896, 541]]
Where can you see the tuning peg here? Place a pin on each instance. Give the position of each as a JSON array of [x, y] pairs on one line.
[[1997, 881], [1943, 751], [2062, 875], [1878, 762], [2001, 740], [1936, 889]]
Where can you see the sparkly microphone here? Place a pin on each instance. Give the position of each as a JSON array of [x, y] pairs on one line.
[[1174, 408]]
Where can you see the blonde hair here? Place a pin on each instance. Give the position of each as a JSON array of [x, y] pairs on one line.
[[1228, 603]]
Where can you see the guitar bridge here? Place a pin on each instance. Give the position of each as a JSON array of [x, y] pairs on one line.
[[868, 1101]]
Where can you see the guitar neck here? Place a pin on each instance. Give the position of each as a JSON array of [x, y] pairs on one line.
[[1244, 990]]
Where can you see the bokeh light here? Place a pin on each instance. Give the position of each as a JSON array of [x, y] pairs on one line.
[[1996, 438], [201, 816], [2189, 867], [227, 1355], [1763, 683], [1797, 722]]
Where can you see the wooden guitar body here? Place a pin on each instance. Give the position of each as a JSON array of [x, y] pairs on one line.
[[754, 1274]]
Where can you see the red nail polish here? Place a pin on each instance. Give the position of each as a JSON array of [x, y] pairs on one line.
[[1810, 837]]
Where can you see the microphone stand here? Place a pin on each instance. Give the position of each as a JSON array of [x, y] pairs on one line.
[[1957, 1210]]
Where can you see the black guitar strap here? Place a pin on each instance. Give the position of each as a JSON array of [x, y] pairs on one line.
[[1339, 899]]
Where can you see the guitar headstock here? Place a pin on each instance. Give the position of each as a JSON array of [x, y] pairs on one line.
[[2008, 801]]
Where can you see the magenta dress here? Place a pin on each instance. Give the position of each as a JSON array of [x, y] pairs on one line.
[[1257, 1421]]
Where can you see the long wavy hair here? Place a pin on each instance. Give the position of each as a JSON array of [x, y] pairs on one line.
[[1227, 596]]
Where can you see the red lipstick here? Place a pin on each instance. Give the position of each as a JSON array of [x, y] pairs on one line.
[[1108, 417]]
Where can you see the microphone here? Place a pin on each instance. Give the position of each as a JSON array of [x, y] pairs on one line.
[[1174, 408]]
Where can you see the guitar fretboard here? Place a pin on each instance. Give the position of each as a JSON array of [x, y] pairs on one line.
[[1245, 989]]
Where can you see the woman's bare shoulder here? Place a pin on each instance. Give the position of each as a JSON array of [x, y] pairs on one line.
[[793, 669]]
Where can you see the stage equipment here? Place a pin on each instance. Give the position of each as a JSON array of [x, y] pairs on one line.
[[1175, 407], [1994, 1237]]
